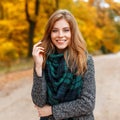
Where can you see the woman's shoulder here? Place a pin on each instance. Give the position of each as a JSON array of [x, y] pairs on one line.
[[90, 63], [89, 58]]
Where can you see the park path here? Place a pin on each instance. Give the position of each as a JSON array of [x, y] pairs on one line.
[[108, 87], [15, 92]]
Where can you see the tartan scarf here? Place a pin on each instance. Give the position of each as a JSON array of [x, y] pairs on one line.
[[62, 85]]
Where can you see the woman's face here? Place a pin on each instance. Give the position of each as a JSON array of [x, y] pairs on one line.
[[61, 35]]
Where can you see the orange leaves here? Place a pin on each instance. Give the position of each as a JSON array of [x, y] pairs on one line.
[[8, 53], [97, 27]]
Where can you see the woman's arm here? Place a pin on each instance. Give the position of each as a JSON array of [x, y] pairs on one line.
[[85, 103], [38, 92], [39, 85]]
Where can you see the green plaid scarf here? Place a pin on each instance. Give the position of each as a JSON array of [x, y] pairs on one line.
[[62, 85]]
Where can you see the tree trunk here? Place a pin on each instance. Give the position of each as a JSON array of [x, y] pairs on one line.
[[30, 37], [57, 4], [1, 11], [32, 25]]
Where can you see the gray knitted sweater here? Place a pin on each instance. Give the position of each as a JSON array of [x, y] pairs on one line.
[[79, 109]]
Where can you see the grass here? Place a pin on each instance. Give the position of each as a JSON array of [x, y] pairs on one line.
[[21, 64]]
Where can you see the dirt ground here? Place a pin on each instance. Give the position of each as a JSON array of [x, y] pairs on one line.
[[15, 92]]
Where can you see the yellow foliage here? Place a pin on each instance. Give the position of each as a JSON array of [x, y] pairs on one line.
[[8, 53], [13, 8], [5, 27], [96, 26]]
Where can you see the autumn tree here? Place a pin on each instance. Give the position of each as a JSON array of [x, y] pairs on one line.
[[31, 18], [1, 11], [22, 23]]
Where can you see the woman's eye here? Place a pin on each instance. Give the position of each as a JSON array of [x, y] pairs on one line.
[[54, 30], [66, 30]]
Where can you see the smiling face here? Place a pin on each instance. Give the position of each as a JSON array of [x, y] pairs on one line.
[[61, 35]]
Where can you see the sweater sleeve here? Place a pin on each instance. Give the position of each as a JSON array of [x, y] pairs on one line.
[[84, 105], [38, 92]]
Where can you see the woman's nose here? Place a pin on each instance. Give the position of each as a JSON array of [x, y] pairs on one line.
[[61, 34]]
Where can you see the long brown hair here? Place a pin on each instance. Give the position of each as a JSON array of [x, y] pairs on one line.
[[76, 53]]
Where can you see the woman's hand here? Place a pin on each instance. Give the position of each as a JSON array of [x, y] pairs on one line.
[[44, 111], [37, 53]]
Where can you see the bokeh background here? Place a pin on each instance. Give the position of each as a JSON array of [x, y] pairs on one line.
[[22, 24]]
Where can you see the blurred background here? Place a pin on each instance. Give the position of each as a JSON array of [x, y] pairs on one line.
[[22, 24]]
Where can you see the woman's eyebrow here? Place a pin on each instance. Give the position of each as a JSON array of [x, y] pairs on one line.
[[62, 28]]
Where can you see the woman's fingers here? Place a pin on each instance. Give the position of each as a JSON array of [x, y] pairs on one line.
[[37, 44], [37, 49], [38, 54]]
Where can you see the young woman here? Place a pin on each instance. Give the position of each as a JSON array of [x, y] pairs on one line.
[[64, 80]]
